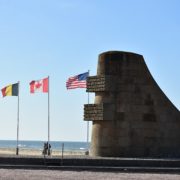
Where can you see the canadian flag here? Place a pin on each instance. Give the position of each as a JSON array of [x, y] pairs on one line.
[[39, 85]]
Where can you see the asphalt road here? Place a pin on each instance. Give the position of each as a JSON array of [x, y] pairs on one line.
[[21, 174]]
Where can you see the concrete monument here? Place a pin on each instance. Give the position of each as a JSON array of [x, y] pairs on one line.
[[131, 115]]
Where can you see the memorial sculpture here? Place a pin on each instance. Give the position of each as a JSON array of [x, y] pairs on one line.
[[131, 116]]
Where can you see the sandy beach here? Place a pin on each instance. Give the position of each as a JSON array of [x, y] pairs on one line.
[[33, 152]]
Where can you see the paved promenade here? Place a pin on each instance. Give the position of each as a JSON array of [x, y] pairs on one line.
[[14, 174], [85, 167]]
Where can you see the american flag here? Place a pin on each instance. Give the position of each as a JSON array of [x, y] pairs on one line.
[[78, 81]]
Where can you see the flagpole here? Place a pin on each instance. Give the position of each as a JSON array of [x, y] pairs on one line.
[[88, 121], [17, 147], [48, 115]]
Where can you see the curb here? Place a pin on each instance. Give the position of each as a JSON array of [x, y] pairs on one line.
[[94, 168]]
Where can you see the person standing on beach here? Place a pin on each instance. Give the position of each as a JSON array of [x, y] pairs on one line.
[[45, 148], [49, 149]]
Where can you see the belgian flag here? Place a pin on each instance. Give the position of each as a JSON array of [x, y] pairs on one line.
[[11, 90]]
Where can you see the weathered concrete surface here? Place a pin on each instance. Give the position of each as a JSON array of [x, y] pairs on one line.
[[131, 116], [21, 174]]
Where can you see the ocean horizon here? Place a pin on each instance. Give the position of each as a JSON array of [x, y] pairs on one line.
[[38, 145]]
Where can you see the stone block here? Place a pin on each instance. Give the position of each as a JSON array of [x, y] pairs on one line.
[[131, 117]]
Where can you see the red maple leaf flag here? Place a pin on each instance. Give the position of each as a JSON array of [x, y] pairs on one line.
[[41, 85]]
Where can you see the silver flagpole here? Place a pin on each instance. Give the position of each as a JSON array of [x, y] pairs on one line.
[[88, 122], [17, 147], [48, 116]]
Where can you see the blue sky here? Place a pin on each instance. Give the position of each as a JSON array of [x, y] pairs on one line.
[[62, 38]]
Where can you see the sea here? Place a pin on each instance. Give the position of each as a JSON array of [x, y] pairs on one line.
[[38, 145]]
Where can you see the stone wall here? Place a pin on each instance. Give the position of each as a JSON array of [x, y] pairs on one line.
[[131, 116]]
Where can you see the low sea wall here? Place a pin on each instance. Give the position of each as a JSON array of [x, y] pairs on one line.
[[88, 161]]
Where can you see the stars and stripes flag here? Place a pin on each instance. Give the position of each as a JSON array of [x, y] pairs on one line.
[[78, 81]]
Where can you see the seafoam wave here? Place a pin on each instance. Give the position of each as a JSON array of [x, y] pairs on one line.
[[38, 145]]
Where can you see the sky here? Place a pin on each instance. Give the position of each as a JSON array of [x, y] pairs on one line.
[[63, 38]]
